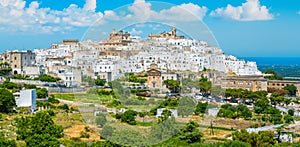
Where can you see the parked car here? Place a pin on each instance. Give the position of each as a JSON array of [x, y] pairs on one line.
[[145, 94]]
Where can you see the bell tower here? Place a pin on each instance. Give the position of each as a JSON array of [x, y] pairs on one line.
[[173, 31]]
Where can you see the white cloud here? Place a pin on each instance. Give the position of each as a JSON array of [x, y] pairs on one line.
[[135, 32], [185, 12], [141, 10], [109, 14], [248, 11], [90, 5], [14, 16], [298, 12]]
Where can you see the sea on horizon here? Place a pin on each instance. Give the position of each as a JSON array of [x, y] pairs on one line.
[[274, 60], [287, 67]]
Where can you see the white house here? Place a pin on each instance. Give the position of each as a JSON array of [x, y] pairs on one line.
[[27, 99]]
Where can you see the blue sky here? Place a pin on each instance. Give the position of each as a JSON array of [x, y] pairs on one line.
[[241, 27]]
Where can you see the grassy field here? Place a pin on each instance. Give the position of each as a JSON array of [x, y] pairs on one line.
[[85, 98], [69, 97]]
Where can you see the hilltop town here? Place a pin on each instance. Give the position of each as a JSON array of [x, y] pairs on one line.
[[122, 53], [166, 90]]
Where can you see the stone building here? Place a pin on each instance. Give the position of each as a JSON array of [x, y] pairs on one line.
[[117, 39], [154, 77], [255, 83], [251, 82], [280, 84], [167, 35], [18, 60]]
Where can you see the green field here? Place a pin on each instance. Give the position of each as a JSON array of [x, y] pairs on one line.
[[85, 98]]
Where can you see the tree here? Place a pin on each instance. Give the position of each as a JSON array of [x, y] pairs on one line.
[[238, 111], [7, 101], [129, 117], [101, 120], [5, 69], [260, 139], [29, 86], [275, 99], [291, 112], [172, 85], [100, 82], [41, 123], [292, 89], [205, 85], [52, 99], [190, 133], [48, 78], [9, 85], [41, 92], [107, 131], [186, 106], [165, 114], [274, 75], [287, 101], [231, 143], [200, 108], [244, 111], [42, 140], [288, 118], [5, 142]]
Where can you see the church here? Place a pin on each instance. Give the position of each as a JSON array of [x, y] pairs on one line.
[[167, 35]]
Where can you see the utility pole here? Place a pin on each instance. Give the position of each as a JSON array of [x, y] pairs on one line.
[[211, 126]]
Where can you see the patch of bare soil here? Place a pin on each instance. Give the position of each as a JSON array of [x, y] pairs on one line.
[[75, 131]]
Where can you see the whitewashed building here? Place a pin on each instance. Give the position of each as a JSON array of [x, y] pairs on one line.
[[27, 98]]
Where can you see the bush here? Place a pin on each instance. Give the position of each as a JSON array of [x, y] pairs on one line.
[[9, 85], [64, 107], [141, 98], [52, 100], [291, 112], [104, 92], [29, 86], [48, 78], [41, 92], [200, 108], [101, 120], [51, 112]]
